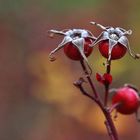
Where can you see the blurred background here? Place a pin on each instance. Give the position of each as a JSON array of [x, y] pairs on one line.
[[37, 98]]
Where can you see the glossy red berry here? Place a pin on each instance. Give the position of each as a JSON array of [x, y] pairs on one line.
[[118, 50], [73, 53], [129, 99]]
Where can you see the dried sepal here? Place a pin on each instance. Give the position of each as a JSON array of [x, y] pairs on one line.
[[53, 32], [105, 79], [112, 43], [99, 25], [79, 43], [101, 37]]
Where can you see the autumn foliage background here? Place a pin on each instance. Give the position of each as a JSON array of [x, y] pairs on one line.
[[37, 98]]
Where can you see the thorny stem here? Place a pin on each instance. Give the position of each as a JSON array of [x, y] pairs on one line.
[[108, 69], [108, 122]]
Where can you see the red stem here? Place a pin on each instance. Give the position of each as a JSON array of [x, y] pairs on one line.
[[108, 122], [108, 69]]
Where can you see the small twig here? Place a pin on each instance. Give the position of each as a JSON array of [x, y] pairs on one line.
[[84, 92], [114, 106]]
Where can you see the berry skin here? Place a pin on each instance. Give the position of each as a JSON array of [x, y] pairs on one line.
[[73, 53], [128, 98], [118, 50]]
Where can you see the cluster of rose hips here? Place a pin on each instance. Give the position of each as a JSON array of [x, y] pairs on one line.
[[113, 44]]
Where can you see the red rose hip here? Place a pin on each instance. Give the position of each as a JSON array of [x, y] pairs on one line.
[[117, 52], [73, 53], [128, 98]]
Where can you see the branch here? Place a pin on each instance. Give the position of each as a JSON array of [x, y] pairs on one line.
[[109, 122], [78, 84], [89, 79]]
